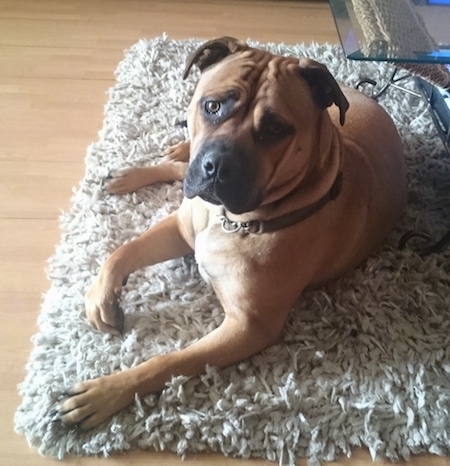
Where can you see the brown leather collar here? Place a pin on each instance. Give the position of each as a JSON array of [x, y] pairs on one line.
[[258, 227]]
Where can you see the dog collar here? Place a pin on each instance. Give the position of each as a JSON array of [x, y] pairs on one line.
[[258, 227]]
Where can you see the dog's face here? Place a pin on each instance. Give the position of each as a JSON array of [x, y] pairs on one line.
[[253, 124]]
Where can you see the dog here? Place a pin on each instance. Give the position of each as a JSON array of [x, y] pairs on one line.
[[290, 181]]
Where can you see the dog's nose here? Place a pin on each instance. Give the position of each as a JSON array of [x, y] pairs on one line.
[[213, 166], [209, 167]]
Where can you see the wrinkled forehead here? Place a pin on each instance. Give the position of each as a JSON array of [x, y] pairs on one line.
[[256, 75]]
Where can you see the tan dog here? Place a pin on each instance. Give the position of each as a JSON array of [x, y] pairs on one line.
[[279, 196]]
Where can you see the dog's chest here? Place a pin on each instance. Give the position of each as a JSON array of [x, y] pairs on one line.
[[209, 255], [219, 254]]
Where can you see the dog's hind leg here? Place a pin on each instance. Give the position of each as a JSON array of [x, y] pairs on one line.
[[177, 153], [172, 167]]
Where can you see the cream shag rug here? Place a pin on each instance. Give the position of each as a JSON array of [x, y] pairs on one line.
[[364, 361]]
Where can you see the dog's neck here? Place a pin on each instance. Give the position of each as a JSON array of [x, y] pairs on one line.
[[321, 184], [282, 221]]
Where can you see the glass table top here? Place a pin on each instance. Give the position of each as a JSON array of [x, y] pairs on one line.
[[414, 31]]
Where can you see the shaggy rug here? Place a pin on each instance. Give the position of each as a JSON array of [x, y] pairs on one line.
[[364, 361]]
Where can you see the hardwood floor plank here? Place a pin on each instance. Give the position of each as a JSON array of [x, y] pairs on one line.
[[296, 21], [34, 190], [24, 249], [59, 62], [51, 119]]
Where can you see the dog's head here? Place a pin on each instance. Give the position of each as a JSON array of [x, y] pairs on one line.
[[254, 123]]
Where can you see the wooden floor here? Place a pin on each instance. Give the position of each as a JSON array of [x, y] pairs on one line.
[[57, 59]]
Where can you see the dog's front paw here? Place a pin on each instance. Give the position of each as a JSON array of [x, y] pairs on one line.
[[103, 309], [90, 403]]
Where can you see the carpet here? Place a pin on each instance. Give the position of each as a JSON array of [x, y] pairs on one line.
[[364, 361]]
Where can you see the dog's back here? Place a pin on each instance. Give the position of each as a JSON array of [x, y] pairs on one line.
[[373, 197]]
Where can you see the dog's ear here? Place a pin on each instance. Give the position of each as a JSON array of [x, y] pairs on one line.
[[212, 52], [324, 88]]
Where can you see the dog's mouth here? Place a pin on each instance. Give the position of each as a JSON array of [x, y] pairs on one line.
[[207, 196], [221, 174], [232, 199]]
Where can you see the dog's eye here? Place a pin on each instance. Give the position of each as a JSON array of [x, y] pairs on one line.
[[212, 106], [275, 129]]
